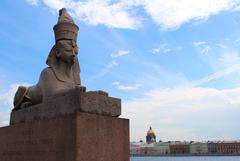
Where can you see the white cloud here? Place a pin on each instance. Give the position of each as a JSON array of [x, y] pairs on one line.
[[127, 87], [32, 2], [212, 112], [98, 12], [168, 14], [120, 53], [205, 50], [185, 114], [58, 4], [4, 123], [113, 63], [203, 45], [163, 48], [115, 83], [163, 45], [6, 102], [7, 98], [237, 8], [199, 43], [171, 14], [166, 50], [155, 50]]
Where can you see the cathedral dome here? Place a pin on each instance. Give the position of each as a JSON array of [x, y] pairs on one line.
[[151, 137], [150, 132]]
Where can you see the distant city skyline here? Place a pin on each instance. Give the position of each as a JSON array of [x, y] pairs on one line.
[[174, 64]]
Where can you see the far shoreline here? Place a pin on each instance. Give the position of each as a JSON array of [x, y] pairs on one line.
[[183, 155]]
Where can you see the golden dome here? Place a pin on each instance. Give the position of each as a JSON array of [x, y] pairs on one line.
[[150, 131]]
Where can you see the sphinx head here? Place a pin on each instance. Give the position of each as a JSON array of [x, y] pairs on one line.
[[64, 51]]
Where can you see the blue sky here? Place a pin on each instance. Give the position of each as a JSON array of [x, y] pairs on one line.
[[175, 64]]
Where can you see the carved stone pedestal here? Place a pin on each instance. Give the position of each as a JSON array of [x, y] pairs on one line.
[[69, 103], [77, 137]]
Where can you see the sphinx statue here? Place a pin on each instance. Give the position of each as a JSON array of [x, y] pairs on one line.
[[63, 71]]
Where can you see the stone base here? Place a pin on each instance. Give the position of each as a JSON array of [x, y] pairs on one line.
[[78, 137], [69, 103]]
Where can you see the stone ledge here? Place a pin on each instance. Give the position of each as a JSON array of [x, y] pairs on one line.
[[69, 103]]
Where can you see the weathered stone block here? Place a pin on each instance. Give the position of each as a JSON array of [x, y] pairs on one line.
[[69, 103], [77, 137]]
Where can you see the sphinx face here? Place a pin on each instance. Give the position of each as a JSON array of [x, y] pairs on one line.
[[68, 55], [67, 52]]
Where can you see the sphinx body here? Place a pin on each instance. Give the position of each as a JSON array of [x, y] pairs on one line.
[[62, 73]]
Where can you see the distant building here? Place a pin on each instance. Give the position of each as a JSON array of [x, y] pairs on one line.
[[151, 137], [228, 147], [135, 148], [180, 148], [162, 148], [142, 149], [151, 147], [212, 147], [148, 151], [198, 148]]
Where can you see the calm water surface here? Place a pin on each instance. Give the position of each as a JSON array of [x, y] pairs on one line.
[[211, 158]]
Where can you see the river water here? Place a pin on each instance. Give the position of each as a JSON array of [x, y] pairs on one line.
[[207, 158]]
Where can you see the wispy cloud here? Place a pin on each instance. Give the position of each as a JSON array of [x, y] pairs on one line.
[[217, 75], [32, 2], [205, 50], [120, 53], [227, 59], [155, 50], [221, 45], [199, 43], [224, 65], [203, 45], [237, 41], [104, 71], [111, 65], [166, 50], [163, 48], [127, 87]]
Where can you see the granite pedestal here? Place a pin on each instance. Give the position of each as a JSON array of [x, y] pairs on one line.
[[73, 101], [76, 137]]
